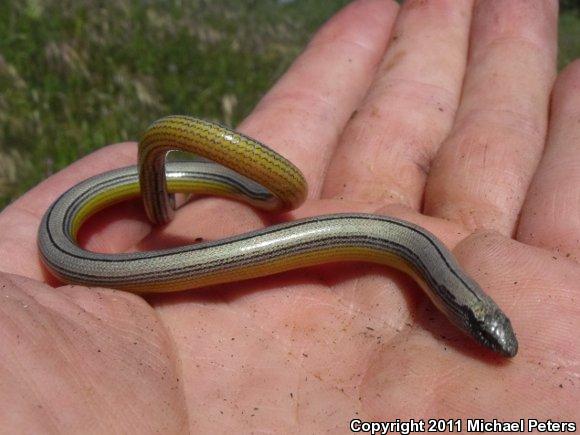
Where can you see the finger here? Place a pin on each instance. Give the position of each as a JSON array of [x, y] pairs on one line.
[[551, 214], [481, 173], [301, 117], [22, 218], [386, 149], [38, 199], [348, 46], [303, 114]]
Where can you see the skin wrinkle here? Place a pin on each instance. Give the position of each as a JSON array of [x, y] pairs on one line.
[[150, 348], [49, 421], [502, 105], [444, 378], [421, 157], [520, 123], [347, 316], [488, 42], [433, 8], [98, 400], [501, 42], [497, 200], [503, 17], [392, 84], [25, 328], [56, 312], [19, 263], [411, 27], [506, 95], [387, 380], [340, 41], [422, 91], [394, 327], [557, 166], [324, 107], [30, 213], [11, 243], [286, 344], [357, 13], [351, 296], [470, 153], [550, 210], [547, 201], [366, 370], [299, 361], [78, 381], [417, 156]]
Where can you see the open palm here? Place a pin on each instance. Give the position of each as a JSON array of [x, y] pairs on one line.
[[436, 113]]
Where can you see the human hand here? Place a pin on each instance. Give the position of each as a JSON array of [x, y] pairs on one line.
[[426, 131]]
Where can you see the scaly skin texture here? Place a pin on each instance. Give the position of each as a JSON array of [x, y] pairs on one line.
[[221, 145], [342, 237], [306, 352]]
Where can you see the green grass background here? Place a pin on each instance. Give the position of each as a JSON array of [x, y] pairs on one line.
[[79, 74]]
